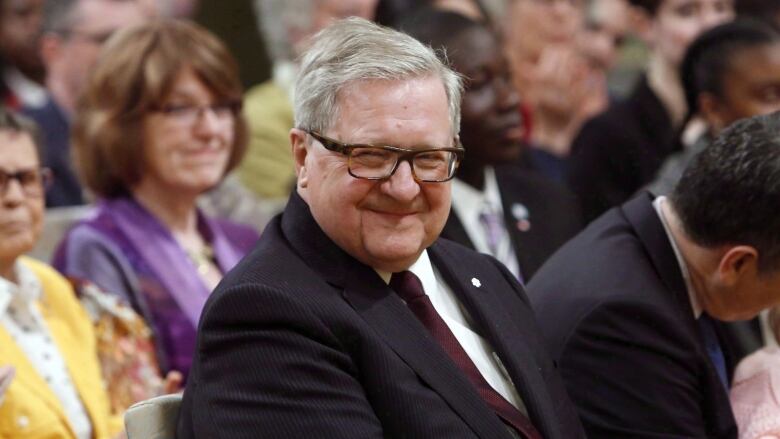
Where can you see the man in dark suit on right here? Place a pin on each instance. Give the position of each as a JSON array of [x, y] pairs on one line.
[[632, 308]]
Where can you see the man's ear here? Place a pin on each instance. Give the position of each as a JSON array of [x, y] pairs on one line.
[[711, 110], [736, 263], [299, 152]]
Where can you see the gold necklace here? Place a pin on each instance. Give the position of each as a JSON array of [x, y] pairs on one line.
[[202, 258]]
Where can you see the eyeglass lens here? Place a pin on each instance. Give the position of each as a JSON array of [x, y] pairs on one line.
[[380, 163]]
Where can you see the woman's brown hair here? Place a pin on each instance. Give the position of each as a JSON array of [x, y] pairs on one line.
[[133, 75]]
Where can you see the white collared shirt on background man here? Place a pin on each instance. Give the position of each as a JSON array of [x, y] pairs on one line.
[[469, 203]]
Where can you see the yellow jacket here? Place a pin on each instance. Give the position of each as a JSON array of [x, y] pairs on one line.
[[30, 409]]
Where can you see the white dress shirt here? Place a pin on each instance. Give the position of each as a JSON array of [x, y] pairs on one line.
[[457, 319], [20, 316], [469, 203], [30, 93]]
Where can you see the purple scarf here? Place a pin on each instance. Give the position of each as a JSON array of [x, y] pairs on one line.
[[166, 258]]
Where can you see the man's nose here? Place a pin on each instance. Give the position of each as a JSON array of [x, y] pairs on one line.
[[401, 185], [13, 193]]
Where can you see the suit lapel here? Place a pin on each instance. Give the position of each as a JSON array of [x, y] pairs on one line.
[[642, 216], [386, 313], [522, 242], [455, 231], [514, 203], [505, 334], [645, 221]]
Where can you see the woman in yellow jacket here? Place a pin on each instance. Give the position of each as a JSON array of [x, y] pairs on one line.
[[50, 383]]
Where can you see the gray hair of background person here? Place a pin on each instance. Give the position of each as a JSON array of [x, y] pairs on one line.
[[12, 121], [353, 50], [59, 15], [731, 192], [276, 19]]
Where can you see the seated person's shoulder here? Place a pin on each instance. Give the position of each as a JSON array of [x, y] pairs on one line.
[[267, 99], [44, 272], [57, 290]]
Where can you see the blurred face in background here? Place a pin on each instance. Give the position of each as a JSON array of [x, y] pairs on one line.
[[20, 31], [21, 203], [531, 25], [71, 56], [188, 140], [750, 87], [678, 22], [328, 11], [182, 8], [325, 12], [491, 125], [606, 26]]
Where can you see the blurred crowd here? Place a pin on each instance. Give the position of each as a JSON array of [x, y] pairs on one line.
[[136, 170]]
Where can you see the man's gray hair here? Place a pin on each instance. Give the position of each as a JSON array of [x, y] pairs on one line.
[[277, 18], [12, 121], [353, 50]]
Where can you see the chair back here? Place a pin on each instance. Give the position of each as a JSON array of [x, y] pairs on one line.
[[154, 418]]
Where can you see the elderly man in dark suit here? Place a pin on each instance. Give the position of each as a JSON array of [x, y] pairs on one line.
[[633, 307], [350, 318]]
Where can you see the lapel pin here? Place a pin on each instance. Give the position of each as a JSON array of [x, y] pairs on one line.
[[476, 282], [521, 214], [524, 225]]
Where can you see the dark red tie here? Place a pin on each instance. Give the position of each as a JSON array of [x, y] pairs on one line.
[[407, 285]]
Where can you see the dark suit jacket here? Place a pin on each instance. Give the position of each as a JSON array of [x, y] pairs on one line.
[[66, 189], [553, 213], [303, 341], [619, 151], [615, 311]]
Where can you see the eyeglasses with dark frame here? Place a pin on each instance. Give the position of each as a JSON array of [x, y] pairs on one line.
[[34, 182], [376, 162]]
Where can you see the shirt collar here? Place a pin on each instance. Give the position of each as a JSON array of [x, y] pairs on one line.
[[694, 299], [466, 198], [422, 268], [26, 291]]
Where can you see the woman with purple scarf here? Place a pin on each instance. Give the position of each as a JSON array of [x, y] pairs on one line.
[[158, 125]]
